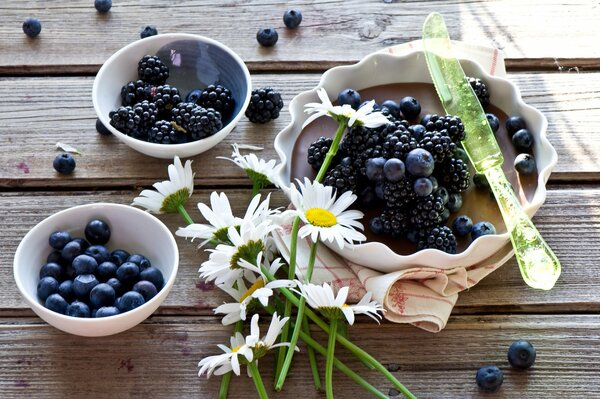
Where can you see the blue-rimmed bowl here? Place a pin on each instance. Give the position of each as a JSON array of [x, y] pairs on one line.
[[194, 62]]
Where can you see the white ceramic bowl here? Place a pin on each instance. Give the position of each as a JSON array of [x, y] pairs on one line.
[[194, 62], [131, 229], [383, 69]]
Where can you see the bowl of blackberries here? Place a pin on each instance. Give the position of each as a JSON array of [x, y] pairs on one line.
[[423, 204], [172, 94], [97, 269]]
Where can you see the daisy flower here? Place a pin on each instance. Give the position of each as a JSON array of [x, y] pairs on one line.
[[170, 194], [260, 346], [261, 172], [229, 360], [335, 307], [344, 113], [224, 266], [221, 218], [325, 217]]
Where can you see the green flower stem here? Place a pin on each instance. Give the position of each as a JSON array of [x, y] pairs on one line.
[[255, 188], [184, 214], [312, 358], [358, 352], [260, 387], [329, 359], [298, 325], [332, 150], [224, 389]]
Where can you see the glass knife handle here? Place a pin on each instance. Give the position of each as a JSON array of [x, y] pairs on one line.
[[539, 266]]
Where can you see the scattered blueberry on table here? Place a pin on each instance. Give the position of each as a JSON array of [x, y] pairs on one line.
[[103, 6], [521, 354], [267, 37], [489, 378], [32, 27], [100, 128], [64, 164], [292, 18], [148, 31]]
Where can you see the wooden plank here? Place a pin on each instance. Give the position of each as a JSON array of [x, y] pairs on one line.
[[159, 359], [329, 29], [63, 112], [577, 243]]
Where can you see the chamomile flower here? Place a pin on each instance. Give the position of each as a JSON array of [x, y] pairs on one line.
[[224, 266], [325, 217], [221, 218], [331, 306], [260, 346], [261, 172], [364, 116], [169, 194], [229, 360]]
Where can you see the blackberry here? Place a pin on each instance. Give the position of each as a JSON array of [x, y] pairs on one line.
[[265, 104], [427, 212], [317, 152], [440, 238], [394, 221], [145, 115], [135, 92], [452, 125], [399, 143], [198, 121], [134, 121], [152, 70], [362, 143], [342, 177], [163, 132], [399, 194], [218, 98], [438, 144], [454, 175], [480, 90], [165, 97]]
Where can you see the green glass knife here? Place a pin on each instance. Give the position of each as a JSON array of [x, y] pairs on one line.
[[539, 266]]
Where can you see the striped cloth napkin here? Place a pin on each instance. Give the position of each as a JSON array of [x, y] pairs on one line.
[[421, 296]]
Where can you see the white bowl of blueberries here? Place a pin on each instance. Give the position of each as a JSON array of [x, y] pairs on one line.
[[172, 94], [97, 269]]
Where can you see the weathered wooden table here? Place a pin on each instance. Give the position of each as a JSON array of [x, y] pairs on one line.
[[45, 97]]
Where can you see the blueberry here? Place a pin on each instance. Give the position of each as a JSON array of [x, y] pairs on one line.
[[51, 270], [455, 202], [417, 131], [153, 275], [65, 289], [82, 242], [514, 124], [105, 271], [423, 187], [46, 287], [350, 97], [525, 164], [419, 163], [444, 194], [64, 164], [410, 107], [394, 170], [480, 181], [55, 257], [98, 252], [376, 225], [56, 303], [374, 169], [117, 300], [489, 378], [146, 288], [128, 273], [482, 229], [292, 18], [462, 226], [103, 5], [97, 232], [462, 155], [425, 119], [32, 27], [78, 309], [193, 96], [139, 260], [102, 295], [71, 251], [435, 183], [521, 354], [148, 31], [69, 272], [100, 128], [119, 256], [116, 285], [393, 107], [106, 311], [83, 284], [522, 140], [130, 300], [445, 215], [84, 264], [59, 239], [493, 121], [267, 37]]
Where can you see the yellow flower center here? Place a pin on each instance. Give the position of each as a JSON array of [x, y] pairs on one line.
[[345, 305], [257, 284], [237, 348], [320, 217]]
